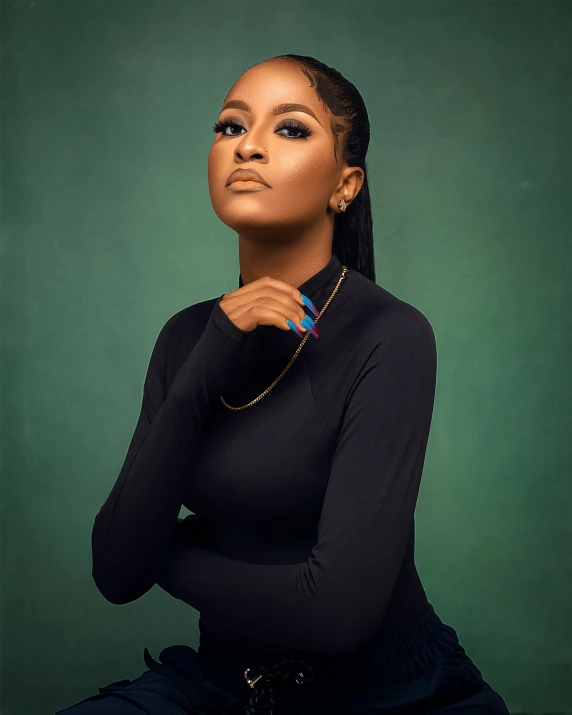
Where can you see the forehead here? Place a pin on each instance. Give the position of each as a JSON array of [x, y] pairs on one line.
[[275, 82]]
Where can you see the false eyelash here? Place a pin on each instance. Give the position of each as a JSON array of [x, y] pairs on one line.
[[289, 123], [221, 126]]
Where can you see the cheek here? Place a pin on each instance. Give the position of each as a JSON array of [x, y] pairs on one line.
[[214, 166], [305, 176], [217, 175], [303, 165]]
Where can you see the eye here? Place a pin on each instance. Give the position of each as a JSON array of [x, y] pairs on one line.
[[290, 124], [297, 126], [221, 126]]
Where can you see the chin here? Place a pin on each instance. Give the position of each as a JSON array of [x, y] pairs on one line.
[[247, 217]]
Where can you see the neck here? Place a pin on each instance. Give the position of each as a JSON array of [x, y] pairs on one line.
[[291, 263]]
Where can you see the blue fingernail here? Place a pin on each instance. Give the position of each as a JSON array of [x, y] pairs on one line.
[[310, 304], [294, 328], [308, 323]]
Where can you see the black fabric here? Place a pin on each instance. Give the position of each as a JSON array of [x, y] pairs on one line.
[[421, 670], [305, 502], [301, 541]]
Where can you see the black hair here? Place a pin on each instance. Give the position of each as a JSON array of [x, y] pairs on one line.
[[353, 228]]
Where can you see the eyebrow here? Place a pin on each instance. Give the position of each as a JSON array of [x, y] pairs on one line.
[[278, 109]]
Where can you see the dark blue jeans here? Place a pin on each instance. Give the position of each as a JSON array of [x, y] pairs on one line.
[[420, 670]]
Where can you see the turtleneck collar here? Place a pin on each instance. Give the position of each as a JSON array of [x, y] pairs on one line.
[[320, 285]]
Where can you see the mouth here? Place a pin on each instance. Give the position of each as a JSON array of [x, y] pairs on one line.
[[246, 175]]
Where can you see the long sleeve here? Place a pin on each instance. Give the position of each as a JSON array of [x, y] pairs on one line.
[[132, 532], [334, 601]]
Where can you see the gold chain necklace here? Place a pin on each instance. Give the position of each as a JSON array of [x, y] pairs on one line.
[[302, 343]]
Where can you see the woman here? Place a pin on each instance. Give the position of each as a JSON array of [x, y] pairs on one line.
[[301, 458]]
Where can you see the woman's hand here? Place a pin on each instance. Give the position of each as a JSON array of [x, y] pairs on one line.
[[269, 301]]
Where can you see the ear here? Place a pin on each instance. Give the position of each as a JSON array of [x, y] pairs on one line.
[[350, 184]]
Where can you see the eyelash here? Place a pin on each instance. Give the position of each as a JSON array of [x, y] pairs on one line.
[[289, 123]]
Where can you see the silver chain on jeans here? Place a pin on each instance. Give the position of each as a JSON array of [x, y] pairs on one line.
[[262, 682]]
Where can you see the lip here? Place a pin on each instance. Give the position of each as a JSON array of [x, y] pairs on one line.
[[242, 186], [246, 175]]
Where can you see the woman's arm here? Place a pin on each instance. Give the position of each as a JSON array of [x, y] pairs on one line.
[[334, 601], [132, 532]]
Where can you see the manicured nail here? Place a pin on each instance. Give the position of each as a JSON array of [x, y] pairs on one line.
[[310, 304], [294, 327], [307, 322]]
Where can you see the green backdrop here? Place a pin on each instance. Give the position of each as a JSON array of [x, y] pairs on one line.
[[107, 230]]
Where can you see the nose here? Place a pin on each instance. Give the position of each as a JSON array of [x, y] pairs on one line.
[[251, 147]]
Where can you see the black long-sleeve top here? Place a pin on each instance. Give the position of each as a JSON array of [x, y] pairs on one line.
[[303, 534]]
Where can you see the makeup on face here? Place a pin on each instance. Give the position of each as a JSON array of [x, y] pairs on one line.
[[246, 180]]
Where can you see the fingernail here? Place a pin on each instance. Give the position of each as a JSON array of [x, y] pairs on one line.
[[307, 322], [294, 327], [310, 304]]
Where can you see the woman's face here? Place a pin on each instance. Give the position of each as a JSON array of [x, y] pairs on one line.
[[300, 169]]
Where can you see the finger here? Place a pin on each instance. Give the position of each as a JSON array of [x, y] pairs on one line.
[[266, 310], [272, 297], [267, 285]]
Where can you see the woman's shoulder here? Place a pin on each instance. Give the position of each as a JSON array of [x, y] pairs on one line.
[[191, 318], [385, 313], [181, 331]]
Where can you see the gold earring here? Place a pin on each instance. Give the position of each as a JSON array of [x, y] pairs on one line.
[[342, 205]]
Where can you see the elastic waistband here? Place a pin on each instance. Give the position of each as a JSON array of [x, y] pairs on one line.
[[411, 638], [216, 656]]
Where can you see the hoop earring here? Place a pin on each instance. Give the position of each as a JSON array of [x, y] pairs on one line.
[[342, 205]]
